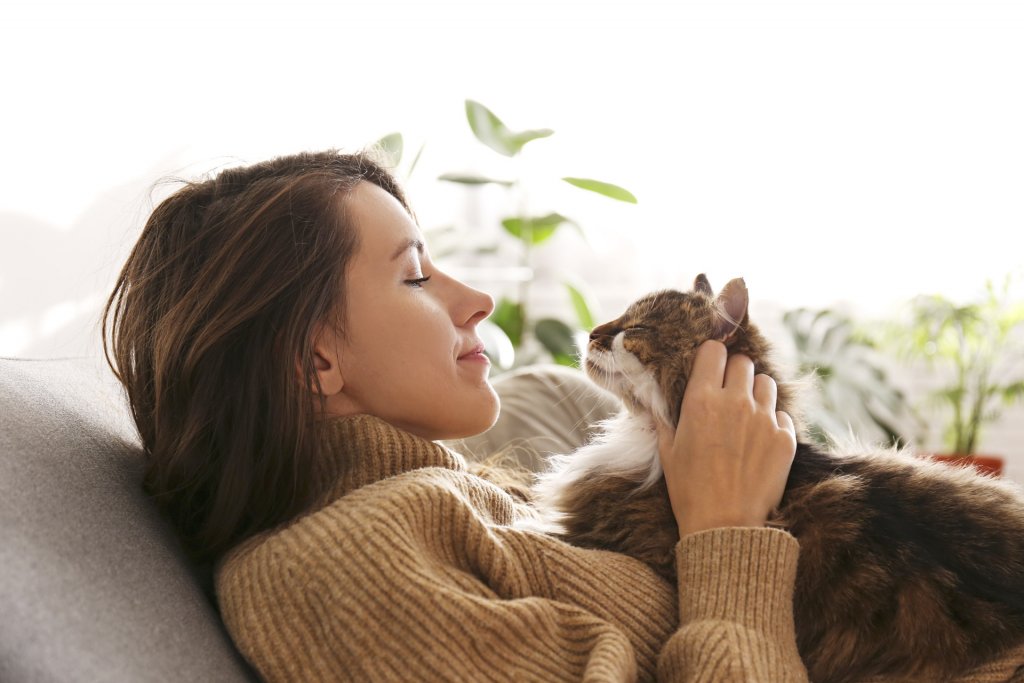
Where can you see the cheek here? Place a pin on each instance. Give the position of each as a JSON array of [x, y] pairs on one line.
[[423, 338], [388, 340]]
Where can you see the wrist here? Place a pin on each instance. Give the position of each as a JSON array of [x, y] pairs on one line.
[[691, 525]]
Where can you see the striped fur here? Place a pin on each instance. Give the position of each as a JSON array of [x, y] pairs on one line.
[[908, 567]]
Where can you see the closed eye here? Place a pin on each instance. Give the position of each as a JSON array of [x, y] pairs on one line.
[[418, 282]]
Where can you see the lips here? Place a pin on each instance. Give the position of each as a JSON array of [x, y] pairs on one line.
[[479, 348]]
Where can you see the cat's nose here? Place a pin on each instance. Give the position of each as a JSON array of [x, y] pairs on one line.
[[600, 340]]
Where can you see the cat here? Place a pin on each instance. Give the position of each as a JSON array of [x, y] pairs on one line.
[[907, 567]]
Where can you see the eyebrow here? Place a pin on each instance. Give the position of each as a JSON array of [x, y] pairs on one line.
[[406, 246]]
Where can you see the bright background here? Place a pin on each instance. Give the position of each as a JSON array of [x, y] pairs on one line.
[[831, 153]]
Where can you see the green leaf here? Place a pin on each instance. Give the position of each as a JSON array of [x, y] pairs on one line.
[[490, 130], [391, 147], [579, 302], [522, 137], [556, 337], [415, 160], [534, 230], [1013, 392], [508, 315], [467, 179], [607, 189]]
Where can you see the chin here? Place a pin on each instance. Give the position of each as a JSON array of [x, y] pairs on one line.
[[623, 375], [473, 415], [485, 411]]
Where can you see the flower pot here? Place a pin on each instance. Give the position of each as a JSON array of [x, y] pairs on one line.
[[985, 464]]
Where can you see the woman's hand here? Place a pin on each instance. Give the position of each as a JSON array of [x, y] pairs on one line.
[[727, 462]]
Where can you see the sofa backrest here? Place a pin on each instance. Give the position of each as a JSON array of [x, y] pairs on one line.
[[93, 583]]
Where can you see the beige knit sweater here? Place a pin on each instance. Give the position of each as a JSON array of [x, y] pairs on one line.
[[411, 568]]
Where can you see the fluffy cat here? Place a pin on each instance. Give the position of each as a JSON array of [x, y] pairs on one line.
[[907, 567]]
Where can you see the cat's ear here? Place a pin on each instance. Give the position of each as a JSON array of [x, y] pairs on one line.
[[730, 309], [702, 285]]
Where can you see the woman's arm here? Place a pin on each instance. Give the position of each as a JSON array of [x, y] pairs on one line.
[[364, 599], [726, 466], [370, 605], [735, 608]]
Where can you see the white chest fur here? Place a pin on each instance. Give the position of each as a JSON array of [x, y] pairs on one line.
[[627, 444]]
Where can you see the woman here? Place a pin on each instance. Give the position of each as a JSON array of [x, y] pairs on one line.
[[292, 356]]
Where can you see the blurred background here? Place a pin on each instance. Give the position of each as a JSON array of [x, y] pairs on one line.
[[845, 158]]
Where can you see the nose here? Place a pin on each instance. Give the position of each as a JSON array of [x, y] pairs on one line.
[[603, 334], [477, 306]]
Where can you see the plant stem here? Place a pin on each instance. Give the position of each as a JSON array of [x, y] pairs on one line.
[[959, 429], [526, 237]]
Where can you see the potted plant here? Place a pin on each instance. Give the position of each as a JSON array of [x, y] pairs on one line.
[[556, 340], [979, 347], [854, 393]]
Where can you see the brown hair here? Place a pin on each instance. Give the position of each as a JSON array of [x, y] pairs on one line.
[[214, 317]]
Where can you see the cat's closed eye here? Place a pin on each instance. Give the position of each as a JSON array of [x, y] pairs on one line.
[[638, 329]]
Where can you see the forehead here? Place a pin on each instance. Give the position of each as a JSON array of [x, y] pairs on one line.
[[381, 221], [666, 298]]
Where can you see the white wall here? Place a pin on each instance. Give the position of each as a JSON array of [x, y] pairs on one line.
[[829, 152]]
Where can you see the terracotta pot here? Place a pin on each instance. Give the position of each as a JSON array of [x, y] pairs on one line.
[[986, 464]]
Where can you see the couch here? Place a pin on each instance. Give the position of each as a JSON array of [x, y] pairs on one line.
[[93, 583]]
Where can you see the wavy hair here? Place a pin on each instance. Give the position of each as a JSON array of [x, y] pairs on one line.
[[212, 323]]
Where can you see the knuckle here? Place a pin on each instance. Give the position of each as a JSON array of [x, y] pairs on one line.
[[740, 359]]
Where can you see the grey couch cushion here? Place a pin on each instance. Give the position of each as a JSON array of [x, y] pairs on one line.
[[93, 584]]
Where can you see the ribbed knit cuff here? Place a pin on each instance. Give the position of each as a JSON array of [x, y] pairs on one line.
[[740, 574]]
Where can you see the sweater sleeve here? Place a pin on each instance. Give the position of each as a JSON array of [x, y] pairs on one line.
[[735, 608], [374, 597]]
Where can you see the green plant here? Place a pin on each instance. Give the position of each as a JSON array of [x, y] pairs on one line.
[[512, 315], [979, 344], [390, 149], [854, 390]]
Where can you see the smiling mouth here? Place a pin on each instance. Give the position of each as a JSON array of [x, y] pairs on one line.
[[473, 353]]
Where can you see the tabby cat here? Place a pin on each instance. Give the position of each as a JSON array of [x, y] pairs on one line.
[[908, 567]]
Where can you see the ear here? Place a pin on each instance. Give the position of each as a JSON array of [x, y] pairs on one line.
[[702, 285], [326, 363], [730, 309]]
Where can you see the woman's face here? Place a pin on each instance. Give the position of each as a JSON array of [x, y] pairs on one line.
[[408, 354]]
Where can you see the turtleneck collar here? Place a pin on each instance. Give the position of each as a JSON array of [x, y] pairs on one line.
[[362, 449]]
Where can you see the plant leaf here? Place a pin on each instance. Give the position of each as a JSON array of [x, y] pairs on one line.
[[556, 337], [1013, 392], [469, 179], [490, 130], [415, 160], [607, 189], [522, 137], [508, 315], [391, 147], [541, 228], [579, 302]]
